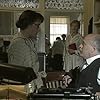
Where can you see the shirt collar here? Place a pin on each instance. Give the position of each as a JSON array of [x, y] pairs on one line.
[[90, 60]]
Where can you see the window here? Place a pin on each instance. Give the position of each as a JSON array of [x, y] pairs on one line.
[[58, 26]]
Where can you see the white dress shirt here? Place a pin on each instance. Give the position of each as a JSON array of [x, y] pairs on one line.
[[89, 61]]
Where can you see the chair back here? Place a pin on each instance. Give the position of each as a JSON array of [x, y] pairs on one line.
[[54, 79]]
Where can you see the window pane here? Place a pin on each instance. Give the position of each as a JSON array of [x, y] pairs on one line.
[[58, 29], [53, 38], [58, 26], [58, 20]]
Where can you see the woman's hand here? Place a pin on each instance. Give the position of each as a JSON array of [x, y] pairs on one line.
[[72, 48]]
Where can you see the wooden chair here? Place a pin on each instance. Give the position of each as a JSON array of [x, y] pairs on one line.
[[54, 79]]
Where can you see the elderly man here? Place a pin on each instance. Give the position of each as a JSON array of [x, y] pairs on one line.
[[89, 73]]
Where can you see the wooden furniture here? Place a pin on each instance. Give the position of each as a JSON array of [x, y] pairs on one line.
[[12, 92], [54, 79]]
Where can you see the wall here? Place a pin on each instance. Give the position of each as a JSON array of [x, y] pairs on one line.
[[5, 23], [71, 15], [88, 13]]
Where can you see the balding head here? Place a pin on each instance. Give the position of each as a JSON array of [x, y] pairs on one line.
[[91, 45], [92, 36], [94, 40]]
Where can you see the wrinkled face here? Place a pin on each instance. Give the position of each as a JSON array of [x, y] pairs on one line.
[[86, 49], [35, 28], [74, 27]]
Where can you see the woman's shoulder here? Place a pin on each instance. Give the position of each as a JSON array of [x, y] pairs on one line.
[[18, 38], [18, 41]]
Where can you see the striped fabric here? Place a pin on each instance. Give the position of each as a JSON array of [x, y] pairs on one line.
[[54, 79], [54, 84]]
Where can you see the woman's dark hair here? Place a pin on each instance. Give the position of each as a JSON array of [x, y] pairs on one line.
[[28, 17], [76, 21]]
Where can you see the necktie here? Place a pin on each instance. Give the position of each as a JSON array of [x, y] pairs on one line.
[[83, 65]]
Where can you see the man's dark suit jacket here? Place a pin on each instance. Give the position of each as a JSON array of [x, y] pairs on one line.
[[87, 77]]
